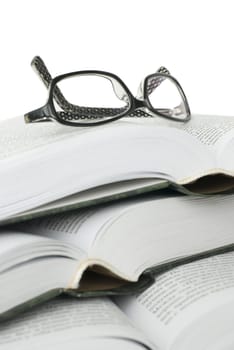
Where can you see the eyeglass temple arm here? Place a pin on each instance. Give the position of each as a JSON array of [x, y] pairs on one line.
[[151, 87], [157, 81], [45, 76]]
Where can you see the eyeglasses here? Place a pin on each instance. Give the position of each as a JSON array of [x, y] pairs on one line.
[[93, 97]]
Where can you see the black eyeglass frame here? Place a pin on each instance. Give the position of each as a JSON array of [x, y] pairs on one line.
[[48, 111]]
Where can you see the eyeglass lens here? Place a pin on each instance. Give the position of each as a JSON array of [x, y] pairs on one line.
[[165, 97], [90, 97]]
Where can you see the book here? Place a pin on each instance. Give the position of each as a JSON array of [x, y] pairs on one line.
[[107, 250], [189, 307], [49, 167]]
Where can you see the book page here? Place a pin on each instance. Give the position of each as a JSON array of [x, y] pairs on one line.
[[217, 133], [71, 323], [79, 228], [170, 224], [207, 129], [17, 247], [194, 302], [97, 195], [101, 230], [35, 153], [16, 137], [31, 266], [63, 227], [210, 130]]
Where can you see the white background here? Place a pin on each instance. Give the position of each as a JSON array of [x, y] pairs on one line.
[[131, 38]]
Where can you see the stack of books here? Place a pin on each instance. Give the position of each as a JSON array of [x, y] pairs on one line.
[[117, 235]]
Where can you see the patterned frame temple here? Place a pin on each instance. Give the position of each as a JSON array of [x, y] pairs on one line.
[[70, 112]]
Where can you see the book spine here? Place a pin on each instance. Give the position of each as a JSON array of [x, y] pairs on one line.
[[26, 306]]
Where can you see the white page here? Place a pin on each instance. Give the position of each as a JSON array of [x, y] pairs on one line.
[[212, 131], [36, 147], [68, 321], [78, 228], [194, 299], [13, 240], [160, 230], [17, 247], [140, 142], [65, 227], [32, 265], [16, 137], [168, 223], [28, 281], [97, 193], [217, 133]]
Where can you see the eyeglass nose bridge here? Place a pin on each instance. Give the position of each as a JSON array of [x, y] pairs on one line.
[[139, 103]]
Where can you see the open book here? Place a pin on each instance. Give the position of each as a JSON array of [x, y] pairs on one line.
[[52, 167], [188, 307], [113, 249]]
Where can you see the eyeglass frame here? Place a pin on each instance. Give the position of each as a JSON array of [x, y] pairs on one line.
[[48, 112]]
